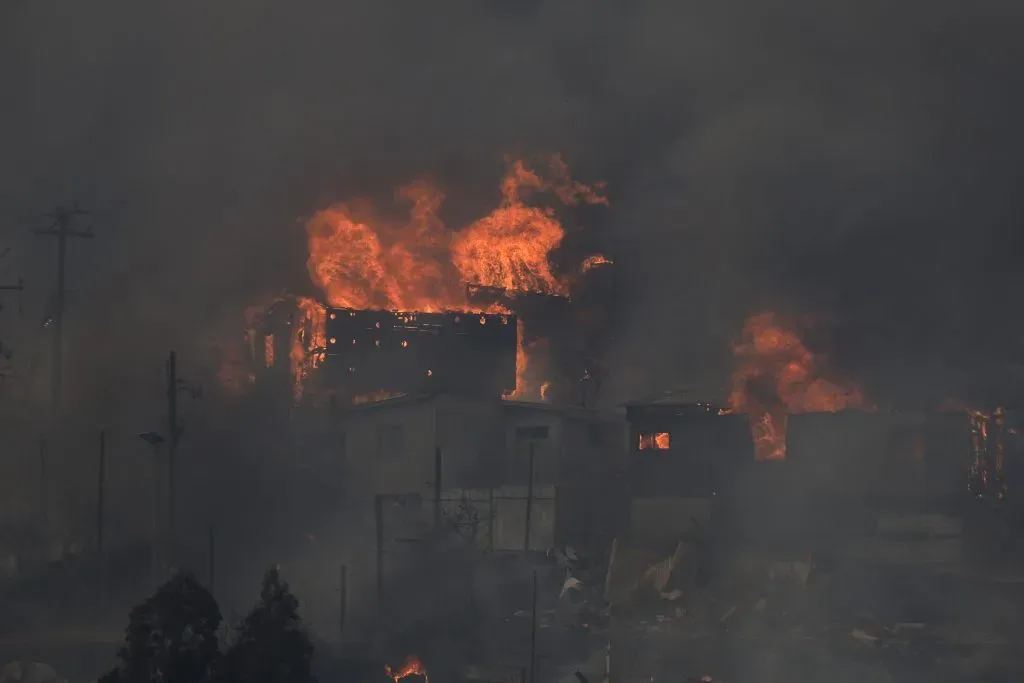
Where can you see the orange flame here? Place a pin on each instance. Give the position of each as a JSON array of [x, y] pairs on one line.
[[376, 397], [529, 369], [268, 351], [418, 265], [594, 261], [412, 667], [777, 375], [308, 340], [658, 441], [988, 448]]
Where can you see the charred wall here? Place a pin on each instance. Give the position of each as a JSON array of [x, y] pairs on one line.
[[684, 450], [368, 351]]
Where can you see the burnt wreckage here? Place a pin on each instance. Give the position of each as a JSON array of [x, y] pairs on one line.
[[397, 352]]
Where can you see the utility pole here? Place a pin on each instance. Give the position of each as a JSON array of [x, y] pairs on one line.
[[212, 559], [62, 230], [490, 522], [44, 487], [533, 633], [343, 600], [173, 435], [5, 352], [529, 498], [437, 488], [378, 513]]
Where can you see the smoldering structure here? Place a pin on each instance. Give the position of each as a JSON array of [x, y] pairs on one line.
[[493, 523], [662, 536], [642, 541]]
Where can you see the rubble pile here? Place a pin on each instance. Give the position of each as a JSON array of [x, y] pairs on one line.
[[783, 615]]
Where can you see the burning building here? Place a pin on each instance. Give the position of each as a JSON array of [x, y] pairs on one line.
[[411, 306], [776, 376]]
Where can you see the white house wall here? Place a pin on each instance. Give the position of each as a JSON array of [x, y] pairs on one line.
[[547, 451], [470, 438], [407, 471]]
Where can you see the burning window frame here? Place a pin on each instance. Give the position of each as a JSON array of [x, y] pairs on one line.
[[654, 441]]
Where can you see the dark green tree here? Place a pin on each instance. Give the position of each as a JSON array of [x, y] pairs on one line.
[[171, 637], [272, 645]]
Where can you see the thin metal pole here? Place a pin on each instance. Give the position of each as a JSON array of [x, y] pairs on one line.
[[44, 487], [533, 633], [57, 367], [99, 491], [172, 445], [529, 500], [155, 560], [437, 488], [212, 559], [378, 510], [343, 600], [490, 522]]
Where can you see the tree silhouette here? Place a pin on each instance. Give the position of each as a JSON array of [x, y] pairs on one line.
[[171, 637], [271, 645]]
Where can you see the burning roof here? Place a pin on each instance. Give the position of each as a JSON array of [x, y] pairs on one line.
[[418, 266]]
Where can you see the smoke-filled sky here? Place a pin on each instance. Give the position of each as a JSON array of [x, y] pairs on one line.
[[856, 160]]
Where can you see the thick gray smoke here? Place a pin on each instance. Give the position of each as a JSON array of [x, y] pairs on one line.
[[854, 160]]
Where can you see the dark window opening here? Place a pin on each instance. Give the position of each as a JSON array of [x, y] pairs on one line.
[[654, 441]]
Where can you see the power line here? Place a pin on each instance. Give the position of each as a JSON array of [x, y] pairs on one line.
[[61, 228]]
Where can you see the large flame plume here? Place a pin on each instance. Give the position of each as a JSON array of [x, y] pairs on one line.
[[777, 375], [359, 261]]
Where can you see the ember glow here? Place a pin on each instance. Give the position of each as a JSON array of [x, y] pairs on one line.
[[376, 397], [531, 358], [308, 340], [988, 446], [658, 441], [412, 667], [361, 262], [595, 261], [268, 351], [777, 375]]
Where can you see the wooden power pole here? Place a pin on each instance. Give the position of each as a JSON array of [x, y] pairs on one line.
[[175, 430], [531, 475], [62, 230]]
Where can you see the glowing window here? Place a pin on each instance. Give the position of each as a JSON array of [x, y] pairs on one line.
[[656, 441]]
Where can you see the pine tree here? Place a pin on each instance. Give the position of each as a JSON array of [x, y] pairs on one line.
[[272, 646], [171, 637]]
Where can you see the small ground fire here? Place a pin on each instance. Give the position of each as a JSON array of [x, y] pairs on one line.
[[412, 667]]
